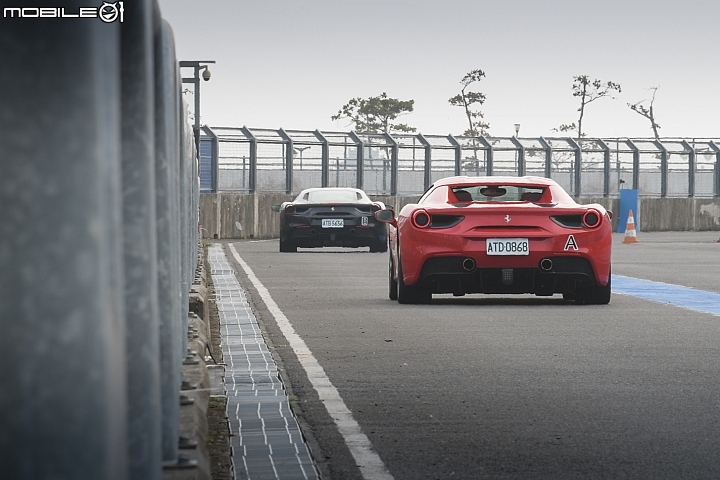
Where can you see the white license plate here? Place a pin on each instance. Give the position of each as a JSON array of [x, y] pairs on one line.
[[333, 223], [507, 246]]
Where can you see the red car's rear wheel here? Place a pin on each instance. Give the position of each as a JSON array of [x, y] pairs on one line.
[[411, 294], [393, 284], [595, 295]]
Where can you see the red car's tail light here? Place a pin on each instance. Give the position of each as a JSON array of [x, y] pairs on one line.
[[591, 219], [421, 219], [290, 209]]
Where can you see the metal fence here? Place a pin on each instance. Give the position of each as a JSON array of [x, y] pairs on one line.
[[263, 160]]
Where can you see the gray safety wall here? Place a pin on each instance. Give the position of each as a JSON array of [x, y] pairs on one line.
[[228, 215], [98, 243]]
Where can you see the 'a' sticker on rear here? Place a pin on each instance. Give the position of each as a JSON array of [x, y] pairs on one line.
[[571, 243]]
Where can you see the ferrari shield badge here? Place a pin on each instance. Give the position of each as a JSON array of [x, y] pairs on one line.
[[571, 243]]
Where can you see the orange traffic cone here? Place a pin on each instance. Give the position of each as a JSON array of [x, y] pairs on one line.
[[630, 234]]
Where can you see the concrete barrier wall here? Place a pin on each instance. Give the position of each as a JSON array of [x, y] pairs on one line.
[[679, 214], [235, 215], [232, 215]]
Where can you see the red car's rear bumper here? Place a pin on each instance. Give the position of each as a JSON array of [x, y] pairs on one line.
[[419, 245]]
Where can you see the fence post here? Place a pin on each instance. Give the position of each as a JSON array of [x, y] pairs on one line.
[[427, 166], [325, 161], [691, 168], [636, 164], [606, 167], [716, 170], [62, 348], [490, 155], [394, 150], [289, 151], [521, 156], [215, 161], [360, 166], [458, 153], [252, 177], [577, 166], [548, 157], [211, 164], [663, 168]]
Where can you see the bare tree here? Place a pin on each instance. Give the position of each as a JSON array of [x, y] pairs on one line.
[[646, 112], [588, 91], [469, 100]]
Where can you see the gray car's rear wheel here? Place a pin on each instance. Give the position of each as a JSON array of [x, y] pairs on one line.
[[287, 246], [378, 246]]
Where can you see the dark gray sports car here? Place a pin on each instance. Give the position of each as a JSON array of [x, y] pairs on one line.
[[331, 217]]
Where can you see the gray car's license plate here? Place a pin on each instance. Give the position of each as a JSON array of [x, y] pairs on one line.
[[333, 223]]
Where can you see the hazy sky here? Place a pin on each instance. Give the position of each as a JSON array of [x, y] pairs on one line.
[[293, 63]]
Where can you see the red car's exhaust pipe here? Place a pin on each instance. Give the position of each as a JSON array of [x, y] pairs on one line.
[[546, 264], [468, 264]]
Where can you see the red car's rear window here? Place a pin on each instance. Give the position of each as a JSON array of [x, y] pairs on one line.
[[498, 193]]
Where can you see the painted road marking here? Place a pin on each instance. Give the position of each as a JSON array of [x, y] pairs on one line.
[[369, 462], [677, 295]]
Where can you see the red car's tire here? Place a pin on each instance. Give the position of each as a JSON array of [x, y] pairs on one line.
[[392, 283], [407, 294], [595, 295]]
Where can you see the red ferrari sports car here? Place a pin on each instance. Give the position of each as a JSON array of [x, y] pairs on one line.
[[499, 235]]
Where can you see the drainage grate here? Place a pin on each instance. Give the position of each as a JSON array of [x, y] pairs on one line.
[[266, 441]]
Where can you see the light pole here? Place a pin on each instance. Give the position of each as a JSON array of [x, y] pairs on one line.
[[517, 129], [197, 66]]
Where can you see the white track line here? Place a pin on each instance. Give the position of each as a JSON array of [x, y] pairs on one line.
[[370, 464]]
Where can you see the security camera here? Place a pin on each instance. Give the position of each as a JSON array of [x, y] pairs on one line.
[[206, 74]]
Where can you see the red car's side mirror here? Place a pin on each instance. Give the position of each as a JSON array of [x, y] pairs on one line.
[[386, 216]]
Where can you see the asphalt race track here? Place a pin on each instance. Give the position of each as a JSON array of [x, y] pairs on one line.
[[502, 387]]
